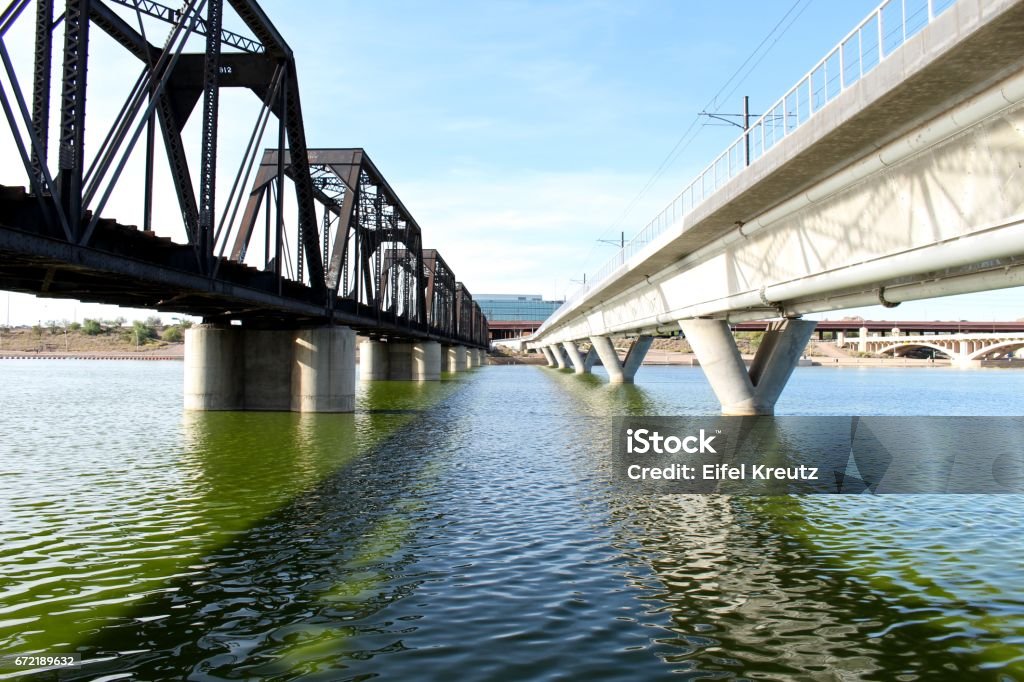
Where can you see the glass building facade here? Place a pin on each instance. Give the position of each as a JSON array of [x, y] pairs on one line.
[[514, 315], [516, 307]]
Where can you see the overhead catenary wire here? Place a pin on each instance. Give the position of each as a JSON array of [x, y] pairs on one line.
[[692, 130]]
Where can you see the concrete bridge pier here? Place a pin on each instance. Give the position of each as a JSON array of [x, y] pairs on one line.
[[373, 360], [324, 370], [743, 392], [620, 372], [426, 361], [213, 368], [575, 359], [581, 362], [304, 370], [455, 358], [399, 360], [549, 356], [556, 350]]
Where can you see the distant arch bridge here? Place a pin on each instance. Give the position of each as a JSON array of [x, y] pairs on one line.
[[966, 350]]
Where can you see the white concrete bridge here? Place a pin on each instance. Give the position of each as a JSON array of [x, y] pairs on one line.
[[890, 172], [965, 350]]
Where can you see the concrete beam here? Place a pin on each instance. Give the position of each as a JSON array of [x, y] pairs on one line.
[[743, 392]]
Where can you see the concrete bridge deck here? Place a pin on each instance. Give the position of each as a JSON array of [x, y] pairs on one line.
[[902, 184]]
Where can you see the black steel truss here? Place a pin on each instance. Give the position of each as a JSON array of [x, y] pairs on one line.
[[357, 251], [172, 16]]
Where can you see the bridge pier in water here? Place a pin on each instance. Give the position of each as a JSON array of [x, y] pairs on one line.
[[582, 363], [622, 372], [298, 370], [573, 353], [400, 360], [739, 390], [559, 356], [549, 356], [456, 358]]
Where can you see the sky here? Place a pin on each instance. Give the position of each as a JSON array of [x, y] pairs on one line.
[[518, 134]]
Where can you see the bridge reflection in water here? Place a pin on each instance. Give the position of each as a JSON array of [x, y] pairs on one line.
[[224, 544]]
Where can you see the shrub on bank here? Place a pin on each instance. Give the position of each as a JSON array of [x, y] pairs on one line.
[[173, 334]]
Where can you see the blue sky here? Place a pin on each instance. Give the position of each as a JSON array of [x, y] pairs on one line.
[[518, 133]]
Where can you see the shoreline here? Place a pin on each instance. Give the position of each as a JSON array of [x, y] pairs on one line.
[[659, 360], [149, 356]]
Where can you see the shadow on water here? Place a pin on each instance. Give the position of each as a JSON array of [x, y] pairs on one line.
[[745, 596], [469, 528], [293, 529], [772, 587], [594, 395]]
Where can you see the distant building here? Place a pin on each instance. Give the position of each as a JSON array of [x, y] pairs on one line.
[[510, 316]]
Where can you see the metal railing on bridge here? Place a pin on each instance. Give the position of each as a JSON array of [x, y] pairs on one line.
[[874, 39]]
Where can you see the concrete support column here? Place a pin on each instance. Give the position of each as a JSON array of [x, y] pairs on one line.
[[590, 359], [840, 338], [456, 357], [862, 340], [426, 361], [324, 370], [635, 357], [741, 392], [619, 372], [560, 360], [473, 357], [549, 356], [373, 360], [574, 356], [602, 345], [267, 383], [399, 361], [232, 368], [214, 368]]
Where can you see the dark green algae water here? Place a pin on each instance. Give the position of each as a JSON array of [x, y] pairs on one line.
[[468, 530]]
